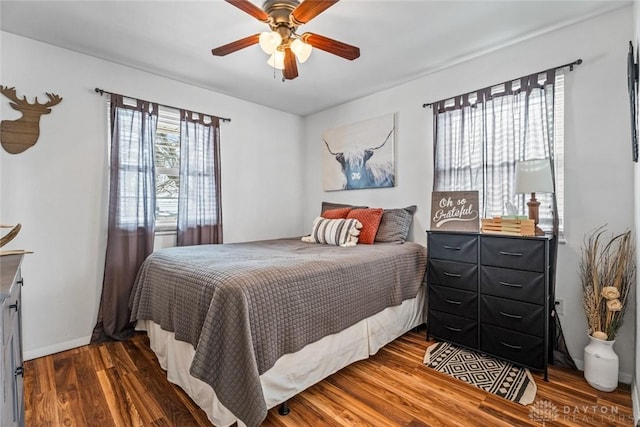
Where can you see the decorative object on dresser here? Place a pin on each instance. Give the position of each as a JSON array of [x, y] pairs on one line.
[[534, 176], [18, 135], [11, 371], [15, 229], [507, 225], [485, 372], [454, 210], [607, 270], [492, 293], [9, 236]]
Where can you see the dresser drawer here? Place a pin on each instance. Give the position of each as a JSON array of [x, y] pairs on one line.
[[455, 274], [453, 247], [454, 301], [514, 315], [521, 254], [456, 329], [9, 313], [518, 285], [514, 346]]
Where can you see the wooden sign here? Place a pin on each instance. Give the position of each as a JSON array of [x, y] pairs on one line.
[[18, 135], [454, 211]]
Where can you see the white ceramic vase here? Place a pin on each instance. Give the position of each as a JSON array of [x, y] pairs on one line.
[[601, 364]]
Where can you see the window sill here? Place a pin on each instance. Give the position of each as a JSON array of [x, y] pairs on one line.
[[166, 230]]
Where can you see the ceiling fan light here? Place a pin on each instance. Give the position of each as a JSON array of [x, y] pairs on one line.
[[301, 49], [269, 41], [277, 60]]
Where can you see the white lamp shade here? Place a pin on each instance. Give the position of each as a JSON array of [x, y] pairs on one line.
[[301, 49], [277, 60], [269, 41], [534, 176]]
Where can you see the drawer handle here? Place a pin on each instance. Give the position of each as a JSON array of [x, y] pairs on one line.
[[513, 316], [19, 371], [511, 253], [451, 328], [446, 273], [514, 347], [511, 285], [20, 282], [453, 248], [452, 301], [14, 306]]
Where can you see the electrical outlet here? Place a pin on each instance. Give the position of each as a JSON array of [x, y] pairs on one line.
[[560, 305]]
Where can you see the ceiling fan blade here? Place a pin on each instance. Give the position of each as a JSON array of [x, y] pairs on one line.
[[290, 71], [309, 9], [332, 46], [251, 9], [236, 45]]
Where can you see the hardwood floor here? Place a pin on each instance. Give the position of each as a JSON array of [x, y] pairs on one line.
[[122, 384]]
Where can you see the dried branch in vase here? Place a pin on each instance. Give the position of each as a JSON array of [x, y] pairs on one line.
[[607, 270]]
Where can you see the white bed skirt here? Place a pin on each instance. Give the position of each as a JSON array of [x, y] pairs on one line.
[[293, 372]]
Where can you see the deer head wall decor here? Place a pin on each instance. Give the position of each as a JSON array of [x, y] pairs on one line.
[[18, 135]]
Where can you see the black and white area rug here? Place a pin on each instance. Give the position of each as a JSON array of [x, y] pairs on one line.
[[483, 371]]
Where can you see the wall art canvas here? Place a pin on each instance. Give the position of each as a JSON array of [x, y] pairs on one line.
[[359, 155]]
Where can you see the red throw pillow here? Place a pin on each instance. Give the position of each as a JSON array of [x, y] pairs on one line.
[[370, 220], [336, 213]]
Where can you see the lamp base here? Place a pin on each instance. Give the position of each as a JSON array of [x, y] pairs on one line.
[[533, 205]]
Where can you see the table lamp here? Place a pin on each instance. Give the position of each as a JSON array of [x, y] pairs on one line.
[[534, 176]]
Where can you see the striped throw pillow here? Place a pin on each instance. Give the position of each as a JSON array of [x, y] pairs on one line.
[[339, 232]]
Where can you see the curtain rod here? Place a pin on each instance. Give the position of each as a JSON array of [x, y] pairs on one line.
[[102, 92], [570, 65]]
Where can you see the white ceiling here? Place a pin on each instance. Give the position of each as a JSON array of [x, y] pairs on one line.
[[399, 40]]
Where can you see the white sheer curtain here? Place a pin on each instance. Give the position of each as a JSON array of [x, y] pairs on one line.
[[479, 136], [199, 213]]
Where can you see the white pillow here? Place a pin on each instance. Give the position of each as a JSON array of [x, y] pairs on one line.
[[340, 232]]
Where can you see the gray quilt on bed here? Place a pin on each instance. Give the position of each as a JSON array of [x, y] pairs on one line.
[[244, 305]]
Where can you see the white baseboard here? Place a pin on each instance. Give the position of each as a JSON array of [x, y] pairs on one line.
[[623, 377], [56, 348]]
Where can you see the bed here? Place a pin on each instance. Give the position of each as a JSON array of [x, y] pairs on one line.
[[243, 327]]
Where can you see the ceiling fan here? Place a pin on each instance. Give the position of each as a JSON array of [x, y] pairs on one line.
[[284, 45]]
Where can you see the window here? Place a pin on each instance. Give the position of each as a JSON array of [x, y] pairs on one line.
[[479, 137], [558, 142], [167, 162], [166, 155]]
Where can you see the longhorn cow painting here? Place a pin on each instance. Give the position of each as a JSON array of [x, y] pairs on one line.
[[359, 155]]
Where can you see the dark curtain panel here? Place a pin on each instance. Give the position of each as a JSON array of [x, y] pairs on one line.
[[131, 212], [199, 212]]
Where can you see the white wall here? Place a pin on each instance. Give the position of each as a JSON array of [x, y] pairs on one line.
[[58, 188], [599, 173]]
